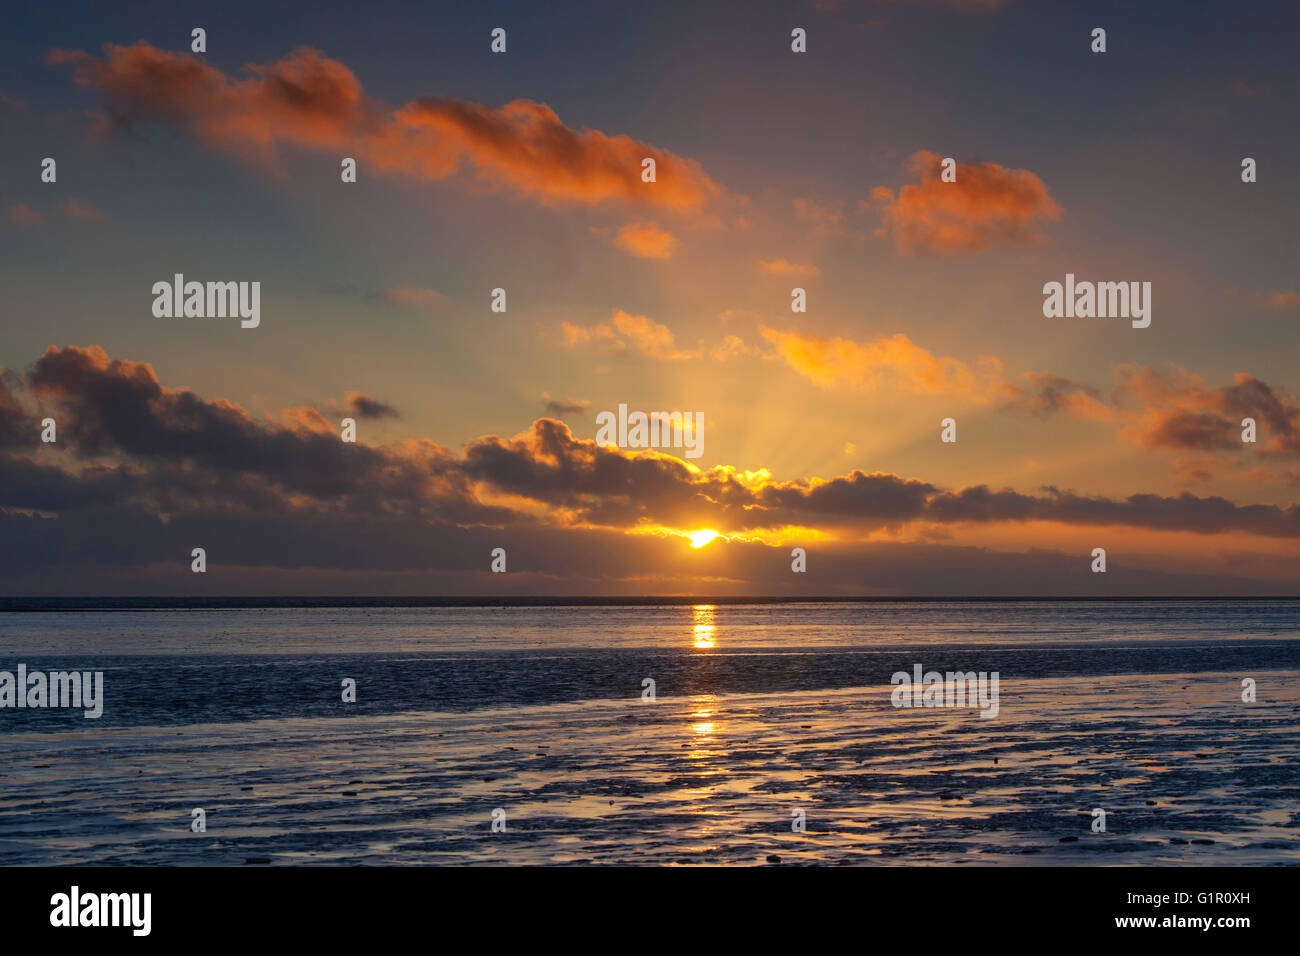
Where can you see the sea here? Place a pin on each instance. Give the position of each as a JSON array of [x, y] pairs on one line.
[[1126, 733]]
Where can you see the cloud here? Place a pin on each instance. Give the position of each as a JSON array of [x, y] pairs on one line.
[[76, 209], [19, 428], [827, 218], [895, 360], [21, 214], [363, 406], [414, 297], [1171, 410], [144, 471], [609, 487], [733, 346], [1247, 92], [646, 240], [114, 410], [1048, 394], [8, 102], [646, 336], [627, 332], [1284, 300], [782, 267], [309, 101], [966, 6], [1179, 411], [988, 204], [559, 408], [572, 335], [1195, 471], [981, 6]]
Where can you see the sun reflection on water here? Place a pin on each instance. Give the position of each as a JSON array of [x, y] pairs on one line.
[[704, 627], [704, 726]]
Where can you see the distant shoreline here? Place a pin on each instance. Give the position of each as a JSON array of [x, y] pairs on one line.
[[97, 604]]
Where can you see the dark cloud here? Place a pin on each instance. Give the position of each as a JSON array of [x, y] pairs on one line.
[[1048, 394], [560, 408], [363, 406], [143, 473], [1183, 413], [19, 428], [114, 408]]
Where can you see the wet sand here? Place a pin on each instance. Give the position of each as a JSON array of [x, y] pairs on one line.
[[1174, 760]]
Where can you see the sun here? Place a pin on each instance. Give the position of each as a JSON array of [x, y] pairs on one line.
[[702, 537]]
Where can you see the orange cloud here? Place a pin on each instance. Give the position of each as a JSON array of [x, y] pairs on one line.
[[827, 218], [76, 209], [987, 204], [838, 361], [21, 214], [1195, 471], [309, 101], [625, 332], [782, 267], [1047, 393], [646, 240], [645, 334], [1180, 411], [966, 6], [415, 297], [1284, 300], [574, 334], [1248, 92], [732, 347]]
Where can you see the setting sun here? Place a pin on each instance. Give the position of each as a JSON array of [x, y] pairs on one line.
[[700, 538]]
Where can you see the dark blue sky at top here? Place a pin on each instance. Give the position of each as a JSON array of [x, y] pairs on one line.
[[609, 65]]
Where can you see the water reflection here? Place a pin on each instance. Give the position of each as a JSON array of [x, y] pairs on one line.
[[704, 725], [704, 628]]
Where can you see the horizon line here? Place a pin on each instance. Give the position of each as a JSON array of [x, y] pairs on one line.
[[33, 603]]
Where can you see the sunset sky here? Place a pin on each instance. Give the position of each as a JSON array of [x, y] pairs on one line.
[[775, 169]]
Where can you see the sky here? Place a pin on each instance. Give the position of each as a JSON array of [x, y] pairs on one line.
[[775, 170]]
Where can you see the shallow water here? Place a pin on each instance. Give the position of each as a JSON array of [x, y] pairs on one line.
[[1120, 707]]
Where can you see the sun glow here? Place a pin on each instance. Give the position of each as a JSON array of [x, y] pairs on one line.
[[702, 537]]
